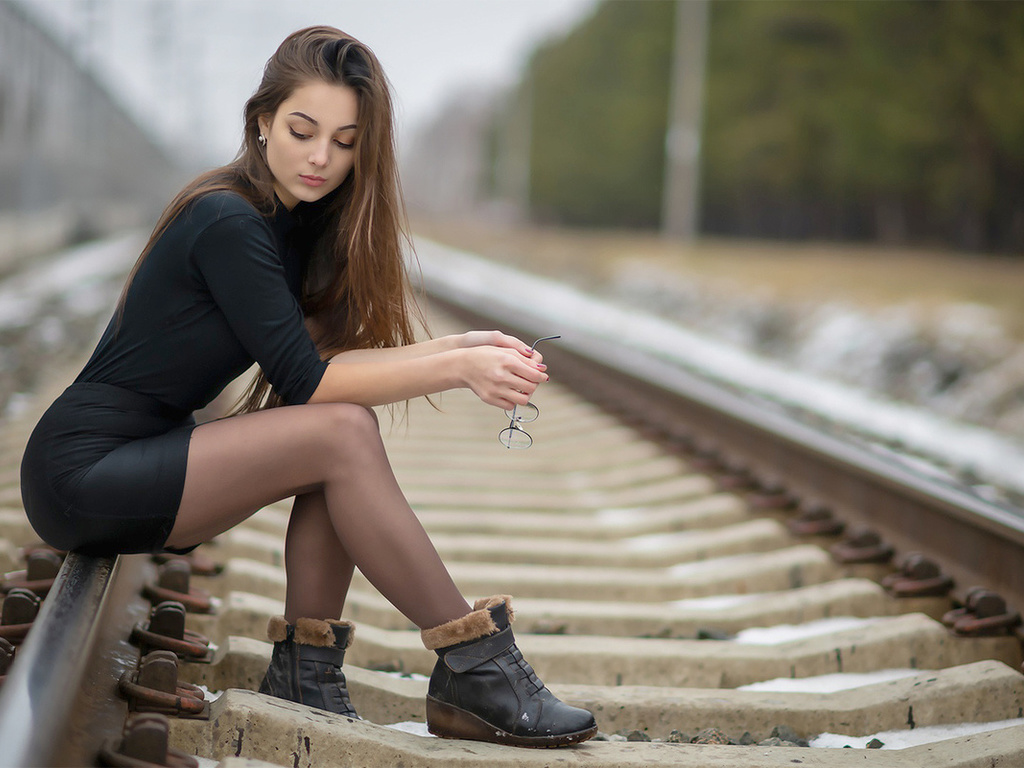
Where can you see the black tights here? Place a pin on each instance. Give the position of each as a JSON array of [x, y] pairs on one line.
[[348, 512]]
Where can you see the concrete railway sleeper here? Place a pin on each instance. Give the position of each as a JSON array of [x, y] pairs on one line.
[[669, 593]]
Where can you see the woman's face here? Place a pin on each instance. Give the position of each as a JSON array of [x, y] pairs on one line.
[[309, 141]]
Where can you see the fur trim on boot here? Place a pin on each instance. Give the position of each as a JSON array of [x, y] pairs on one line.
[[472, 626], [316, 632], [277, 629]]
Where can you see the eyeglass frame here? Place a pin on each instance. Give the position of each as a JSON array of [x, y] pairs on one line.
[[515, 420]]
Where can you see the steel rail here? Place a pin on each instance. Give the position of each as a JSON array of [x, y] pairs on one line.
[[976, 541], [60, 701]]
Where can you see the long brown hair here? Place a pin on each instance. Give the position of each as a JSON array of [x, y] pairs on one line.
[[356, 289]]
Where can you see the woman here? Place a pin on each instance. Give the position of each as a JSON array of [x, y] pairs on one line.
[[291, 256]]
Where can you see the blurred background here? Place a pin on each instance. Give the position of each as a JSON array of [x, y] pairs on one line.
[[837, 186]]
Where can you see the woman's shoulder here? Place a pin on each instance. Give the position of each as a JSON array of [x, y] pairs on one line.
[[216, 205], [217, 221]]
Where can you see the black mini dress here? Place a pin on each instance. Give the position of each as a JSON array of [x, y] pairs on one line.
[[104, 469]]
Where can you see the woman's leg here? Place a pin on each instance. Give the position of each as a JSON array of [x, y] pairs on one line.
[[318, 567], [239, 464], [319, 570]]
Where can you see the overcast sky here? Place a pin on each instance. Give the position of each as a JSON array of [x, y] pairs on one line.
[[187, 66]]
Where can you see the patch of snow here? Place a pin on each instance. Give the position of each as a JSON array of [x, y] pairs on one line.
[[416, 729], [18, 404], [713, 564], [79, 278], [210, 695], [784, 633], [840, 681], [407, 675], [653, 543], [713, 602], [912, 738], [615, 517]]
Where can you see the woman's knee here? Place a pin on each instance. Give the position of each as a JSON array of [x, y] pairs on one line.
[[348, 425]]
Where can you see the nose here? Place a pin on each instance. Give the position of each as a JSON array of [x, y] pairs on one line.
[[319, 154]]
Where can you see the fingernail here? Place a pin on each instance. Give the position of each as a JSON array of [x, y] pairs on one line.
[[541, 367]]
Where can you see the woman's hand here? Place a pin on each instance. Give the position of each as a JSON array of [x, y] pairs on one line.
[[495, 339], [502, 375]]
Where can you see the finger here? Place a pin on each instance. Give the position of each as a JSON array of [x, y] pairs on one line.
[[532, 375], [520, 394], [515, 346], [506, 403], [515, 343], [505, 341], [503, 403], [520, 397], [522, 369], [527, 388]]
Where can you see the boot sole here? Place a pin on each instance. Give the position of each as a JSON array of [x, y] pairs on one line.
[[450, 722]]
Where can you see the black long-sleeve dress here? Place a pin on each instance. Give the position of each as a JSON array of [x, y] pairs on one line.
[[104, 469]]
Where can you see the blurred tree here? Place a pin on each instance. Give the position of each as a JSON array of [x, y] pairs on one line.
[[600, 100], [898, 121], [889, 121]]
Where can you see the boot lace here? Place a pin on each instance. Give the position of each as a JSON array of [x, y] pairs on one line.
[[524, 672]]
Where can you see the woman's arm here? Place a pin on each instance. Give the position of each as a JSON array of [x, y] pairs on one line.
[[432, 347], [500, 374]]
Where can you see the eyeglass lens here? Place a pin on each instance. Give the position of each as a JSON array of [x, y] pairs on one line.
[[514, 437], [523, 414]]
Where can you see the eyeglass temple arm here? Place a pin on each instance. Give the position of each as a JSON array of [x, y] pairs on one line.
[[543, 338]]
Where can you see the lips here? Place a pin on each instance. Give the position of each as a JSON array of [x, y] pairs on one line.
[[312, 181]]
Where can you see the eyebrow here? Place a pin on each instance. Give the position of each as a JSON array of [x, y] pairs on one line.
[[304, 116]]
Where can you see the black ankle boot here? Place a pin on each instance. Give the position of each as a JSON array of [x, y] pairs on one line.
[[483, 689], [306, 664]]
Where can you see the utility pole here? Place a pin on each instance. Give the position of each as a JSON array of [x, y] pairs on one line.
[[681, 195], [512, 156]]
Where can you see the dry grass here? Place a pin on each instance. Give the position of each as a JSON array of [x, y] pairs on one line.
[[859, 275]]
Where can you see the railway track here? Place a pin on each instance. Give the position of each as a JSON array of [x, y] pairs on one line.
[[654, 525]]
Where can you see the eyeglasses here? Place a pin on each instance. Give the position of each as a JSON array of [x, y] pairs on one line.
[[514, 436]]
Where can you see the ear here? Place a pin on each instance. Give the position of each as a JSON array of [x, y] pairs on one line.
[[264, 123]]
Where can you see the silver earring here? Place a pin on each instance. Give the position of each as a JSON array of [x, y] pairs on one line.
[[261, 140]]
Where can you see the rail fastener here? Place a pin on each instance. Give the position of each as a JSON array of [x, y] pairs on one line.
[[173, 584], [145, 743], [983, 613], [20, 608], [768, 497], [816, 520], [918, 576], [165, 630], [42, 565], [198, 563], [154, 687], [862, 545]]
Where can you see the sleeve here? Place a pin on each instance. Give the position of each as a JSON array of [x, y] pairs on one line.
[[236, 257]]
